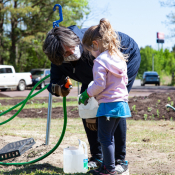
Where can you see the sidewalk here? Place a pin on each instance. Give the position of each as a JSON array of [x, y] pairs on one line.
[[135, 91]]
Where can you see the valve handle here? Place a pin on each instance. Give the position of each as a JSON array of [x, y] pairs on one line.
[[56, 23]]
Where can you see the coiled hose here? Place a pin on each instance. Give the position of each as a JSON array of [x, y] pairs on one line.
[[23, 104]]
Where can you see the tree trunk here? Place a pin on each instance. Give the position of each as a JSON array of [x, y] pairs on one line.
[[13, 38], [1, 32], [172, 81]]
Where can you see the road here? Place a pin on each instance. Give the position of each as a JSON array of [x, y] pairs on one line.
[[135, 91]]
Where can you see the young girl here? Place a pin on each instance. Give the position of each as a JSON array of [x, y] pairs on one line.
[[109, 88]]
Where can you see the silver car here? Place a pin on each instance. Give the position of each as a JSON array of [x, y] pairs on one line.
[[38, 74]]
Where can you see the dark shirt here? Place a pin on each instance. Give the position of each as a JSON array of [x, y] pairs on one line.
[[81, 70]]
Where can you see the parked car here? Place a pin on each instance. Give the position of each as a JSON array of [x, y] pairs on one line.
[[10, 79], [38, 74], [151, 77]]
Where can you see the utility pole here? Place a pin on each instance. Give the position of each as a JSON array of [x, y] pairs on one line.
[[153, 62]]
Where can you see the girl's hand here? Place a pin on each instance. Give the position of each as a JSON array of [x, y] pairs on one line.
[[83, 98]]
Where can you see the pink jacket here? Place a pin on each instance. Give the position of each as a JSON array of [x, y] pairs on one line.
[[110, 79]]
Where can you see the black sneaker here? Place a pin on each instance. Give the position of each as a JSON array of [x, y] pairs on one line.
[[106, 172], [96, 171], [94, 163], [121, 167]]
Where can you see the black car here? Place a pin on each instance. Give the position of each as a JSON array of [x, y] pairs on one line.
[[38, 74], [151, 77]]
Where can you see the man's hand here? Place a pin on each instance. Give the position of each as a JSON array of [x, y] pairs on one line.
[[83, 98], [61, 91], [91, 123]]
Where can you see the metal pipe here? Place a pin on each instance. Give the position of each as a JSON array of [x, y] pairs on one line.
[[49, 112]]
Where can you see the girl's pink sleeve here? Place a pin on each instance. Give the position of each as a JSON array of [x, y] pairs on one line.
[[99, 84]]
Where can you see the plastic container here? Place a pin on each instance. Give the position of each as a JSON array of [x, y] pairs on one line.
[[90, 109], [75, 160]]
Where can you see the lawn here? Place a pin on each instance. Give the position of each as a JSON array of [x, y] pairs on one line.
[[150, 144]]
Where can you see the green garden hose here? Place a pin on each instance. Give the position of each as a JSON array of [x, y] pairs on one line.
[[24, 102]]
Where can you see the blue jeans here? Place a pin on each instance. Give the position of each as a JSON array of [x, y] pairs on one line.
[[120, 140], [106, 129]]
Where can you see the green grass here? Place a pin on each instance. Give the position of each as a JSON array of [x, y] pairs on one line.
[[150, 136], [39, 105], [36, 170], [159, 135]]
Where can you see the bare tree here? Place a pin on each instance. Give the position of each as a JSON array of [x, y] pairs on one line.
[[170, 16], [94, 13]]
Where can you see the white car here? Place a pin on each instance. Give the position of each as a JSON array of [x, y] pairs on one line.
[[10, 79]]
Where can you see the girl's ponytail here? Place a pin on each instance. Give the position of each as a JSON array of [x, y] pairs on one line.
[[109, 39]]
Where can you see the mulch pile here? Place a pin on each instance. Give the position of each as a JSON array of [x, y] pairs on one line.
[[150, 107]]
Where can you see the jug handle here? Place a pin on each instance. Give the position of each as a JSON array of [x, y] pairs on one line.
[[84, 144]]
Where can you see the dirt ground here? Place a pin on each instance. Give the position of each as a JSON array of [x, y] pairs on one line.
[[150, 107]]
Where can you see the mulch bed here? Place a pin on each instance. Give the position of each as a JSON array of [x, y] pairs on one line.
[[150, 107]]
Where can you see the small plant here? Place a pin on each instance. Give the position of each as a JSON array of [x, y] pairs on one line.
[[163, 116], [145, 116], [171, 119], [153, 116], [74, 109], [31, 102], [158, 113], [149, 109], [168, 98], [158, 101], [172, 103], [43, 102], [134, 107]]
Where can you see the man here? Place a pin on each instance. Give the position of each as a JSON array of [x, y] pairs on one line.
[[64, 49]]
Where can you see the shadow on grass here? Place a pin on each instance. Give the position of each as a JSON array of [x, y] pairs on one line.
[[37, 169]]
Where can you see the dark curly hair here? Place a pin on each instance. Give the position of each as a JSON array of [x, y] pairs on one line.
[[55, 41]]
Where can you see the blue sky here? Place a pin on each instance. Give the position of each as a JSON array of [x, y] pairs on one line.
[[140, 19]]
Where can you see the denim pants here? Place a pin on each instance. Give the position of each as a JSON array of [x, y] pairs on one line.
[[106, 129], [120, 140]]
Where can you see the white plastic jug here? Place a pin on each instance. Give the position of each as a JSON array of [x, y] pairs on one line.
[[89, 110], [75, 160]]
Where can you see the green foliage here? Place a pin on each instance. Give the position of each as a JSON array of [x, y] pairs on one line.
[[145, 116], [172, 103], [164, 61], [28, 22], [149, 109], [168, 98], [134, 107], [158, 113]]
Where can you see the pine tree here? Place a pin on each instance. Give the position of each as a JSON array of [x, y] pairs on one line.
[[29, 20]]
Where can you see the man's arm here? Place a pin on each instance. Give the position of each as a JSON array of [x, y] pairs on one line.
[[56, 77], [129, 46]]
